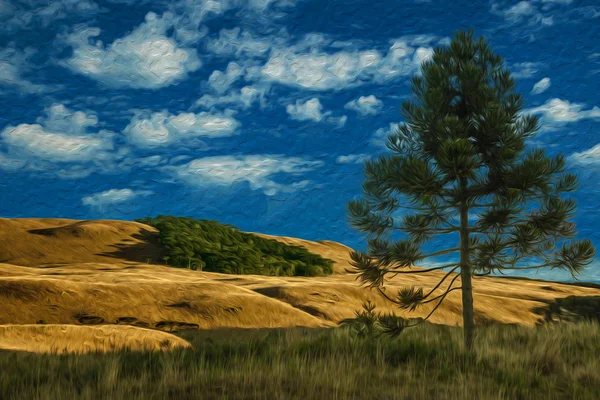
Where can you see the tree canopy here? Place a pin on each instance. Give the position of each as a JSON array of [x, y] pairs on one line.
[[460, 166]]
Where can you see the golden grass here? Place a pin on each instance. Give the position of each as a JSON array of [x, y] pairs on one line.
[[59, 339], [38, 241], [58, 271]]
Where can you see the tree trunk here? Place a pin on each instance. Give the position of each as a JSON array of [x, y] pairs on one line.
[[465, 274]]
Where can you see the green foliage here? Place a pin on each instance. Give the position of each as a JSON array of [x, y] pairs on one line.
[[215, 247], [371, 324], [462, 150]]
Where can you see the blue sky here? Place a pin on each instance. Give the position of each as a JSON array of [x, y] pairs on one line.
[[258, 113]]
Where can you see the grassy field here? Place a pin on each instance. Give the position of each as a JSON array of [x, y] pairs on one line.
[[548, 362]]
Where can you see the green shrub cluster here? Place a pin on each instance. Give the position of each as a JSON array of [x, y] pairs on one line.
[[212, 246]]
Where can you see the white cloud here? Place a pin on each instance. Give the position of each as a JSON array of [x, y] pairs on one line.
[[221, 81], [541, 86], [312, 110], [309, 110], [235, 42], [338, 121], [61, 119], [198, 9], [61, 137], [11, 164], [163, 128], [318, 63], [112, 196], [525, 69], [519, 11], [13, 63], [19, 15], [353, 159], [146, 58], [36, 141], [256, 170], [262, 5], [381, 135], [557, 111], [558, 1], [530, 12], [590, 156], [365, 105], [308, 65], [244, 98]]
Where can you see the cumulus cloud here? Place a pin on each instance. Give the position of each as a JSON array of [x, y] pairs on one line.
[[525, 69], [35, 140], [587, 157], [262, 5], [163, 128], [60, 137], [244, 98], [520, 10], [308, 65], [304, 111], [557, 111], [558, 1], [317, 62], [60, 119], [145, 58], [235, 42], [353, 159], [381, 135], [24, 14], [531, 12], [312, 110], [524, 11], [541, 86], [112, 196], [258, 171], [221, 81], [365, 105], [13, 63]]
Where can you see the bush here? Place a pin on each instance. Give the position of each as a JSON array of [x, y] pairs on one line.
[[215, 247]]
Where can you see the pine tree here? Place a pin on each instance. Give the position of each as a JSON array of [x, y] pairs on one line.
[[461, 151]]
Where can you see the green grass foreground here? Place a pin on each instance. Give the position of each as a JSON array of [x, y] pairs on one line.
[[427, 362]]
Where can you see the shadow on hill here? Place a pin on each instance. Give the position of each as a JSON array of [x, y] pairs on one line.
[[140, 247], [43, 232], [571, 309]]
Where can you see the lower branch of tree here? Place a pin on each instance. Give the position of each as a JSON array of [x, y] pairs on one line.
[[440, 302], [440, 282], [420, 271], [382, 292]]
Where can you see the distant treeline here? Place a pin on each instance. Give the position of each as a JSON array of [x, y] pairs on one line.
[[212, 246]]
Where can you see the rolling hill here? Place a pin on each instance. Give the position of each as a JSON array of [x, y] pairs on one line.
[[56, 272]]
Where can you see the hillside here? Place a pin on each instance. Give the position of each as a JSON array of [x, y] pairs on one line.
[[57, 271], [41, 241], [85, 339]]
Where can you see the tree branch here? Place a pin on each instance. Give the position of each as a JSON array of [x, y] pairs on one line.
[[440, 282], [525, 268], [386, 296], [419, 271], [440, 253], [431, 231], [440, 302], [447, 291]]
